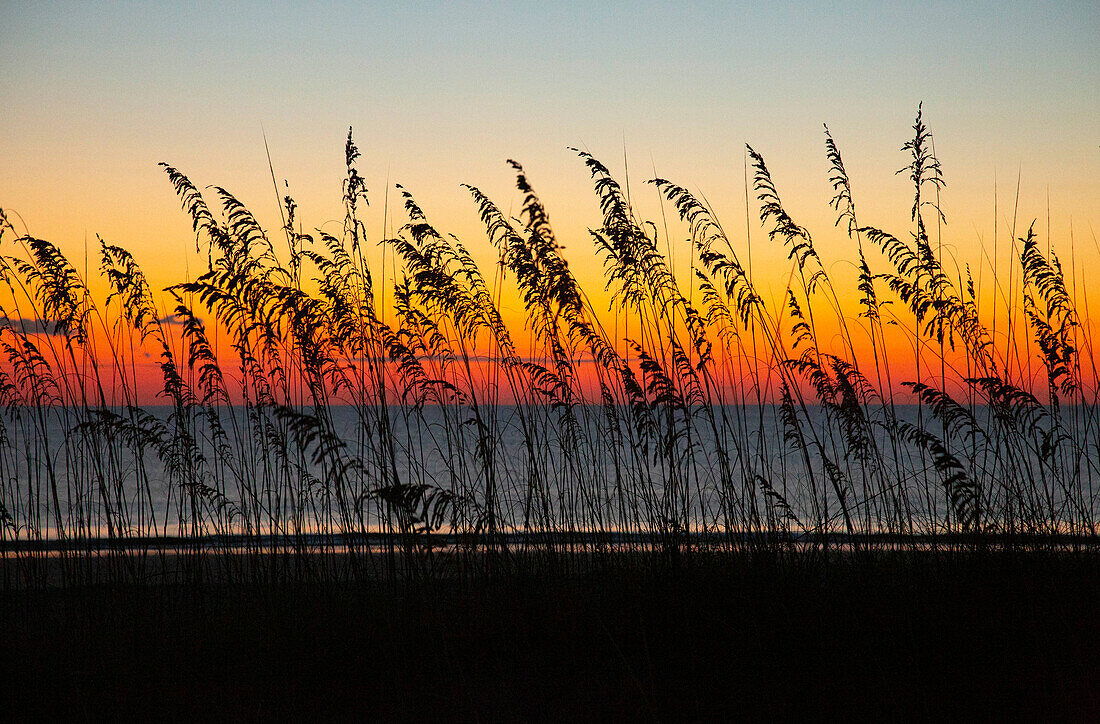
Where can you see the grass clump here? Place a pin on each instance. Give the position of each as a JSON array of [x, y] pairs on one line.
[[309, 432]]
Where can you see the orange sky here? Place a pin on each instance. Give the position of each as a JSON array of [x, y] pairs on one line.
[[96, 96]]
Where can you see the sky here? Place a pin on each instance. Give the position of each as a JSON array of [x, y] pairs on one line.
[[94, 95]]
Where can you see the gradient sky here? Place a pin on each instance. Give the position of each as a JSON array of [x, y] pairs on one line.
[[93, 95]]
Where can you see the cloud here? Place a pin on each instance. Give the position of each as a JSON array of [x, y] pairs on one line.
[[31, 326], [171, 319]]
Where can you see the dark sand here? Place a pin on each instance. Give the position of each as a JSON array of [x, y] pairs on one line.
[[926, 637]]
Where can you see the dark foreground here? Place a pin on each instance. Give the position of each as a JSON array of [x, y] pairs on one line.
[[920, 636]]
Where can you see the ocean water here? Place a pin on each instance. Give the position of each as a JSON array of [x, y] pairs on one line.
[[513, 469]]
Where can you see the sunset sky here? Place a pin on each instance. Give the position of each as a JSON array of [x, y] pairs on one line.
[[95, 95]]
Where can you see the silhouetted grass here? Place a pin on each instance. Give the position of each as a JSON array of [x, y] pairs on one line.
[[405, 507], [315, 418]]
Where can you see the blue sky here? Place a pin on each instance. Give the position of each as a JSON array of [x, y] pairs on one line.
[[95, 94]]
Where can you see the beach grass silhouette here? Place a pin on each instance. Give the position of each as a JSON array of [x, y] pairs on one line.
[[432, 461]]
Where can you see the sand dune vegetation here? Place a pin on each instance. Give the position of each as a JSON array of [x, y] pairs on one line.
[[323, 423], [715, 419]]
